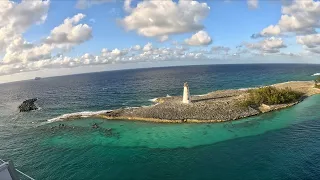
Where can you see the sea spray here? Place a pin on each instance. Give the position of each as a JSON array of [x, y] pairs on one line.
[[83, 114], [153, 99], [86, 114]]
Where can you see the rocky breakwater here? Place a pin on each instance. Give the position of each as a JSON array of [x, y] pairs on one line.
[[28, 105], [217, 106]]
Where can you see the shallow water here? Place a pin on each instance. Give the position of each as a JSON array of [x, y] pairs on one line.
[[150, 135], [278, 145]]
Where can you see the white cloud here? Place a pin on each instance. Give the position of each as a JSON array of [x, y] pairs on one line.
[[290, 54], [310, 42], [147, 47], [21, 51], [21, 16], [253, 4], [19, 55], [16, 18], [314, 50], [220, 49], [115, 56], [66, 35], [271, 30], [300, 17], [268, 45], [154, 18], [127, 6], [163, 38], [136, 48], [199, 39], [116, 52], [69, 34], [105, 53]]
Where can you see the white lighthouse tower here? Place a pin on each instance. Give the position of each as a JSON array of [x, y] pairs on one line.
[[186, 94]]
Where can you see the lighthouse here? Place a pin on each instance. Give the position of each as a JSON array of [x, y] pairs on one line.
[[186, 94]]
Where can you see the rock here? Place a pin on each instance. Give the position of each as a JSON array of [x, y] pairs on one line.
[[95, 126], [264, 108], [28, 105]]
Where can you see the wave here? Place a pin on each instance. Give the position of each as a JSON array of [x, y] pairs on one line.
[[153, 100], [134, 107], [86, 114], [82, 114], [245, 89], [316, 74], [200, 95]]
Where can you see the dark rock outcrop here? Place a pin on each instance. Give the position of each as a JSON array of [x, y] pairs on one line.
[[28, 105]]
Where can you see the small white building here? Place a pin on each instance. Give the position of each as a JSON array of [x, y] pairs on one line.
[[186, 94]]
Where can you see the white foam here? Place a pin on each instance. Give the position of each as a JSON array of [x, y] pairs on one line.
[[202, 94], [316, 74], [83, 114], [134, 107], [153, 100], [245, 89]]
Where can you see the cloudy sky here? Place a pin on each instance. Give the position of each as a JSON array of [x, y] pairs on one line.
[[54, 37]]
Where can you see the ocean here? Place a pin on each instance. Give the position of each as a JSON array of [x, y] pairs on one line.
[[278, 145]]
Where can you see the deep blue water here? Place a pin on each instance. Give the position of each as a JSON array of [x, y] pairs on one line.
[[278, 145]]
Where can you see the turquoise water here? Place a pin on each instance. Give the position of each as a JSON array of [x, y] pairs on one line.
[[141, 134], [278, 145]]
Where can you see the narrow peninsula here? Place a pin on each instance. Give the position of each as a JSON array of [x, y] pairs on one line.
[[218, 106]]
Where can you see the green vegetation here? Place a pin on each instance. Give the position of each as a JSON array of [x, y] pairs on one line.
[[317, 82], [270, 95]]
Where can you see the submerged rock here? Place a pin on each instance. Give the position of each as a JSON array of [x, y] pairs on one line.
[[28, 105]]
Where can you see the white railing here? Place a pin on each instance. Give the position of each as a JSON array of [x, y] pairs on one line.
[[19, 171]]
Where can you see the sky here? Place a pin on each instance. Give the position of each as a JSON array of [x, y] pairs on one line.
[[53, 37]]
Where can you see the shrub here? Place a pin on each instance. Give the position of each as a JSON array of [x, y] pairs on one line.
[[317, 82], [270, 95]]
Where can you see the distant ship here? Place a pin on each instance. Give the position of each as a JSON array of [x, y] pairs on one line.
[[37, 78]]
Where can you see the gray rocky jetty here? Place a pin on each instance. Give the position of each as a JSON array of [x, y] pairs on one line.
[[217, 106]]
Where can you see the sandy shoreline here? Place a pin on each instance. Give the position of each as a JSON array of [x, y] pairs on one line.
[[213, 107]]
